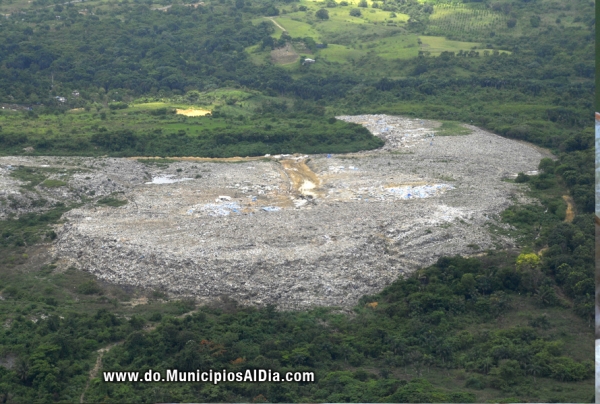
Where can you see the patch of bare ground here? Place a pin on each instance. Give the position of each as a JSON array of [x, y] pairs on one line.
[[284, 55], [570, 214]]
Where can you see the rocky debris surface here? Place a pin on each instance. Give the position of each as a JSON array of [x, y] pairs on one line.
[[86, 179], [294, 231], [397, 131]]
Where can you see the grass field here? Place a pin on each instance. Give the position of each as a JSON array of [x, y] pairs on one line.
[[450, 128], [296, 29], [257, 56], [340, 53], [456, 18], [376, 33], [144, 114], [435, 45]]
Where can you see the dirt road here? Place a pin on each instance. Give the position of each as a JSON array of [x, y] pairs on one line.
[[277, 24]]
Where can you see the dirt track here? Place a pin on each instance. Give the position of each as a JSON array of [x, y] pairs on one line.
[[302, 178], [277, 24]]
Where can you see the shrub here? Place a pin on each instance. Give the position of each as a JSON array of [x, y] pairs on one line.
[[155, 317], [355, 12], [522, 177], [475, 382], [322, 14], [114, 202], [118, 105], [89, 288], [53, 183]]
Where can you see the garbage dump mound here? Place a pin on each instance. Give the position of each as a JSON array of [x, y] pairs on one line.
[[295, 231]]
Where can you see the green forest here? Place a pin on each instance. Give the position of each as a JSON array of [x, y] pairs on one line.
[[105, 78]]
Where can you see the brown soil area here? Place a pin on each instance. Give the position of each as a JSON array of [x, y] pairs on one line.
[[570, 208], [207, 159], [285, 55], [303, 180], [193, 112]]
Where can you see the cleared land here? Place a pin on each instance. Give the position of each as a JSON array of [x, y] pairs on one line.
[[351, 38], [192, 112], [295, 231]]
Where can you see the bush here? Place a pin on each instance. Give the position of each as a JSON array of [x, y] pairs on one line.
[[118, 105], [161, 111], [89, 288], [355, 12], [546, 165], [522, 177], [510, 371], [475, 382], [114, 202], [155, 317], [322, 14]]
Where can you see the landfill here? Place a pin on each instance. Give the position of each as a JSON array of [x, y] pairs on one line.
[[295, 231]]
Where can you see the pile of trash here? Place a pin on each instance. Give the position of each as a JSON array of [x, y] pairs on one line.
[[167, 179], [217, 209], [396, 131], [366, 194], [421, 191], [271, 208], [341, 169]]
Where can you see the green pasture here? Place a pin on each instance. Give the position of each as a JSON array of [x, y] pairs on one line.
[[451, 128], [435, 45], [350, 38], [438, 44], [296, 29], [257, 56], [342, 14], [397, 47], [339, 53], [143, 114]]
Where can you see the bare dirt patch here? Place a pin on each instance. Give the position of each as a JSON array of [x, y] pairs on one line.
[[570, 215], [302, 178], [193, 112], [284, 55]]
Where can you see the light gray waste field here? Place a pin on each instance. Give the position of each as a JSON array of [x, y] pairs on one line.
[[295, 231]]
